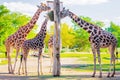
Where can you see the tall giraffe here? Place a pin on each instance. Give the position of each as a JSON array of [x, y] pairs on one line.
[[16, 40], [36, 43], [99, 38]]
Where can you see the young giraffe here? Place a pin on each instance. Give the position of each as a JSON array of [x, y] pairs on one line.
[[36, 43], [50, 49], [16, 40], [99, 38]]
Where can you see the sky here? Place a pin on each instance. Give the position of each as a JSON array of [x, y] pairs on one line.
[[101, 10]]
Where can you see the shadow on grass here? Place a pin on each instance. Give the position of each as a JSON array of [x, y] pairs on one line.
[[106, 58], [105, 67], [50, 77]]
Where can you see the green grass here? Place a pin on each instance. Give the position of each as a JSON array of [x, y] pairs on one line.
[[85, 61], [2, 62], [2, 55]]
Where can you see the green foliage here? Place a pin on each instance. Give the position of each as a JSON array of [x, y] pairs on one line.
[[115, 30], [86, 61], [3, 62], [3, 10], [81, 39], [67, 36]]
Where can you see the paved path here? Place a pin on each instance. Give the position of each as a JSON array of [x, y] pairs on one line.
[[66, 74]]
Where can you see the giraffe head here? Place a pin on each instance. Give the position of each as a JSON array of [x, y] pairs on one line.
[[64, 13], [43, 7]]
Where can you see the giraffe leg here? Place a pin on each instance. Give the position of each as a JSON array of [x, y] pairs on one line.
[[22, 67], [110, 61], [25, 63], [9, 64], [113, 60], [110, 68], [8, 50], [41, 72], [17, 52], [21, 63], [99, 61], [51, 63], [51, 57], [39, 62], [19, 68], [25, 54], [94, 56]]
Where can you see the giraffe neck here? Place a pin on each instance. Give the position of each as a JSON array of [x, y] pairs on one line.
[[35, 17], [25, 29], [42, 32], [90, 28]]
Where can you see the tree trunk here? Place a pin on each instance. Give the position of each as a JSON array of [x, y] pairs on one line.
[[56, 39]]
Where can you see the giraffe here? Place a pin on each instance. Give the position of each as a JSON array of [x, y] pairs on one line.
[[50, 50], [99, 38], [37, 43], [16, 40]]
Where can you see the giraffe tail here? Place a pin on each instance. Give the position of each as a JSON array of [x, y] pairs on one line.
[[5, 54], [116, 56], [21, 57]]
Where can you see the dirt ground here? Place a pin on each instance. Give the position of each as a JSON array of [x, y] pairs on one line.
[[66, 73]]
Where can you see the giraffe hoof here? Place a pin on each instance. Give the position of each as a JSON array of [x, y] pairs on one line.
[[112, 75], [56, 75], [108, 75], [100, 76], [10, 72], [93, 76]]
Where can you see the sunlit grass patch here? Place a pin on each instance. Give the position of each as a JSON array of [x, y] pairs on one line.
[[85, 61], [2, 62], [2, 55]]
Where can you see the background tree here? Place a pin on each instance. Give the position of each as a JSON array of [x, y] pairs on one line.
[[9, 23], [115, 30], [67, 37]]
